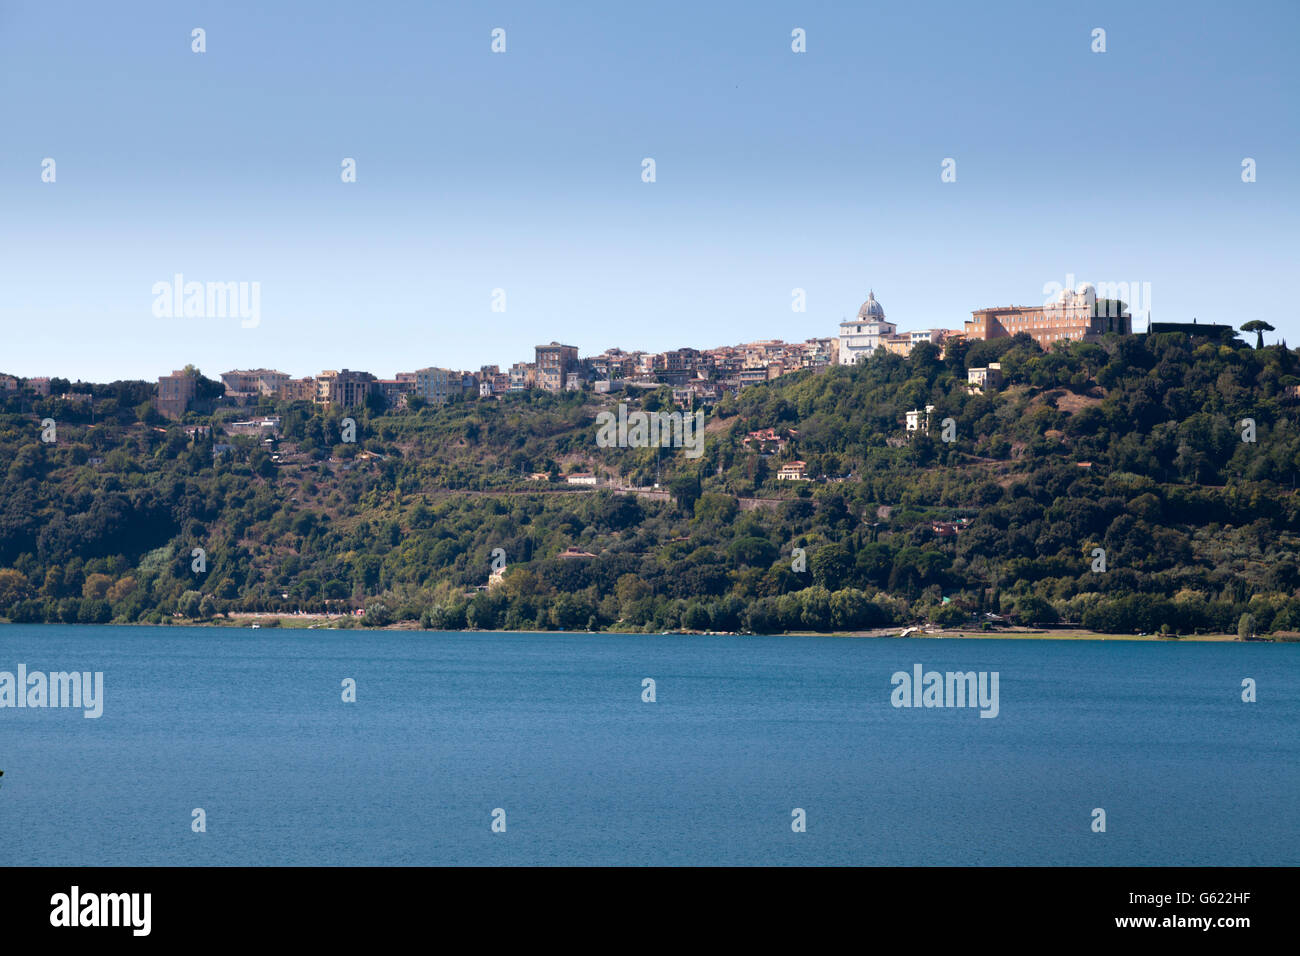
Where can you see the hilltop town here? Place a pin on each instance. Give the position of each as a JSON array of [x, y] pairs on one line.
[[1116, 481], [697, 377]]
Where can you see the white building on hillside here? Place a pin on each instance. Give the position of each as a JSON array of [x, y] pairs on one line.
[[919, 421], [861, 336]]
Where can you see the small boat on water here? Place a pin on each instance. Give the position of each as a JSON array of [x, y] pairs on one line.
[[255, 625]]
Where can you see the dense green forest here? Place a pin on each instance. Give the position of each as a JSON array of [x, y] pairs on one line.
[[1133, 445]]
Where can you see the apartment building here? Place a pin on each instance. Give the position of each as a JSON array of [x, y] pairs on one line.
[[896, 344], [437, 386], [611, 365], [978, 379], [344, 388], [394, 390], [553, 363], [250, 382], [817, 353], [175, 392], [677, 366], [523, 375], [727, 362], [298, 390], [492, 382]]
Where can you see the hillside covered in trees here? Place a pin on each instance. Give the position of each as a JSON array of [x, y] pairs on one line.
[[1133, 445]]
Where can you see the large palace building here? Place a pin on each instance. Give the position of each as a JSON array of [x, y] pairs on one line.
[[1072, 316]]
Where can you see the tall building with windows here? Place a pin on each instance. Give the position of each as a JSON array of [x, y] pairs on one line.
[[861, 337], [175, 392], [554, 361], [298, 390], [257, 381], [344, 388], [1074, 315], [436, 385]]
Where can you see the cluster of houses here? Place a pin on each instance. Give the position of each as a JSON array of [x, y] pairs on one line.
[[697, 377]]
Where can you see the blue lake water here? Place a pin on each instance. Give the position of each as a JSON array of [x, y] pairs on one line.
[[250, 726]]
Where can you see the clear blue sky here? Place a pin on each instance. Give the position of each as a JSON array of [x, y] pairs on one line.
[[522, 171]]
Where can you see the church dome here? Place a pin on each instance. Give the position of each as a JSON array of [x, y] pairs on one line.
[[871, 309]]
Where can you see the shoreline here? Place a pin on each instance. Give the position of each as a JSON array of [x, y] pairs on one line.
[[245, 620]]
